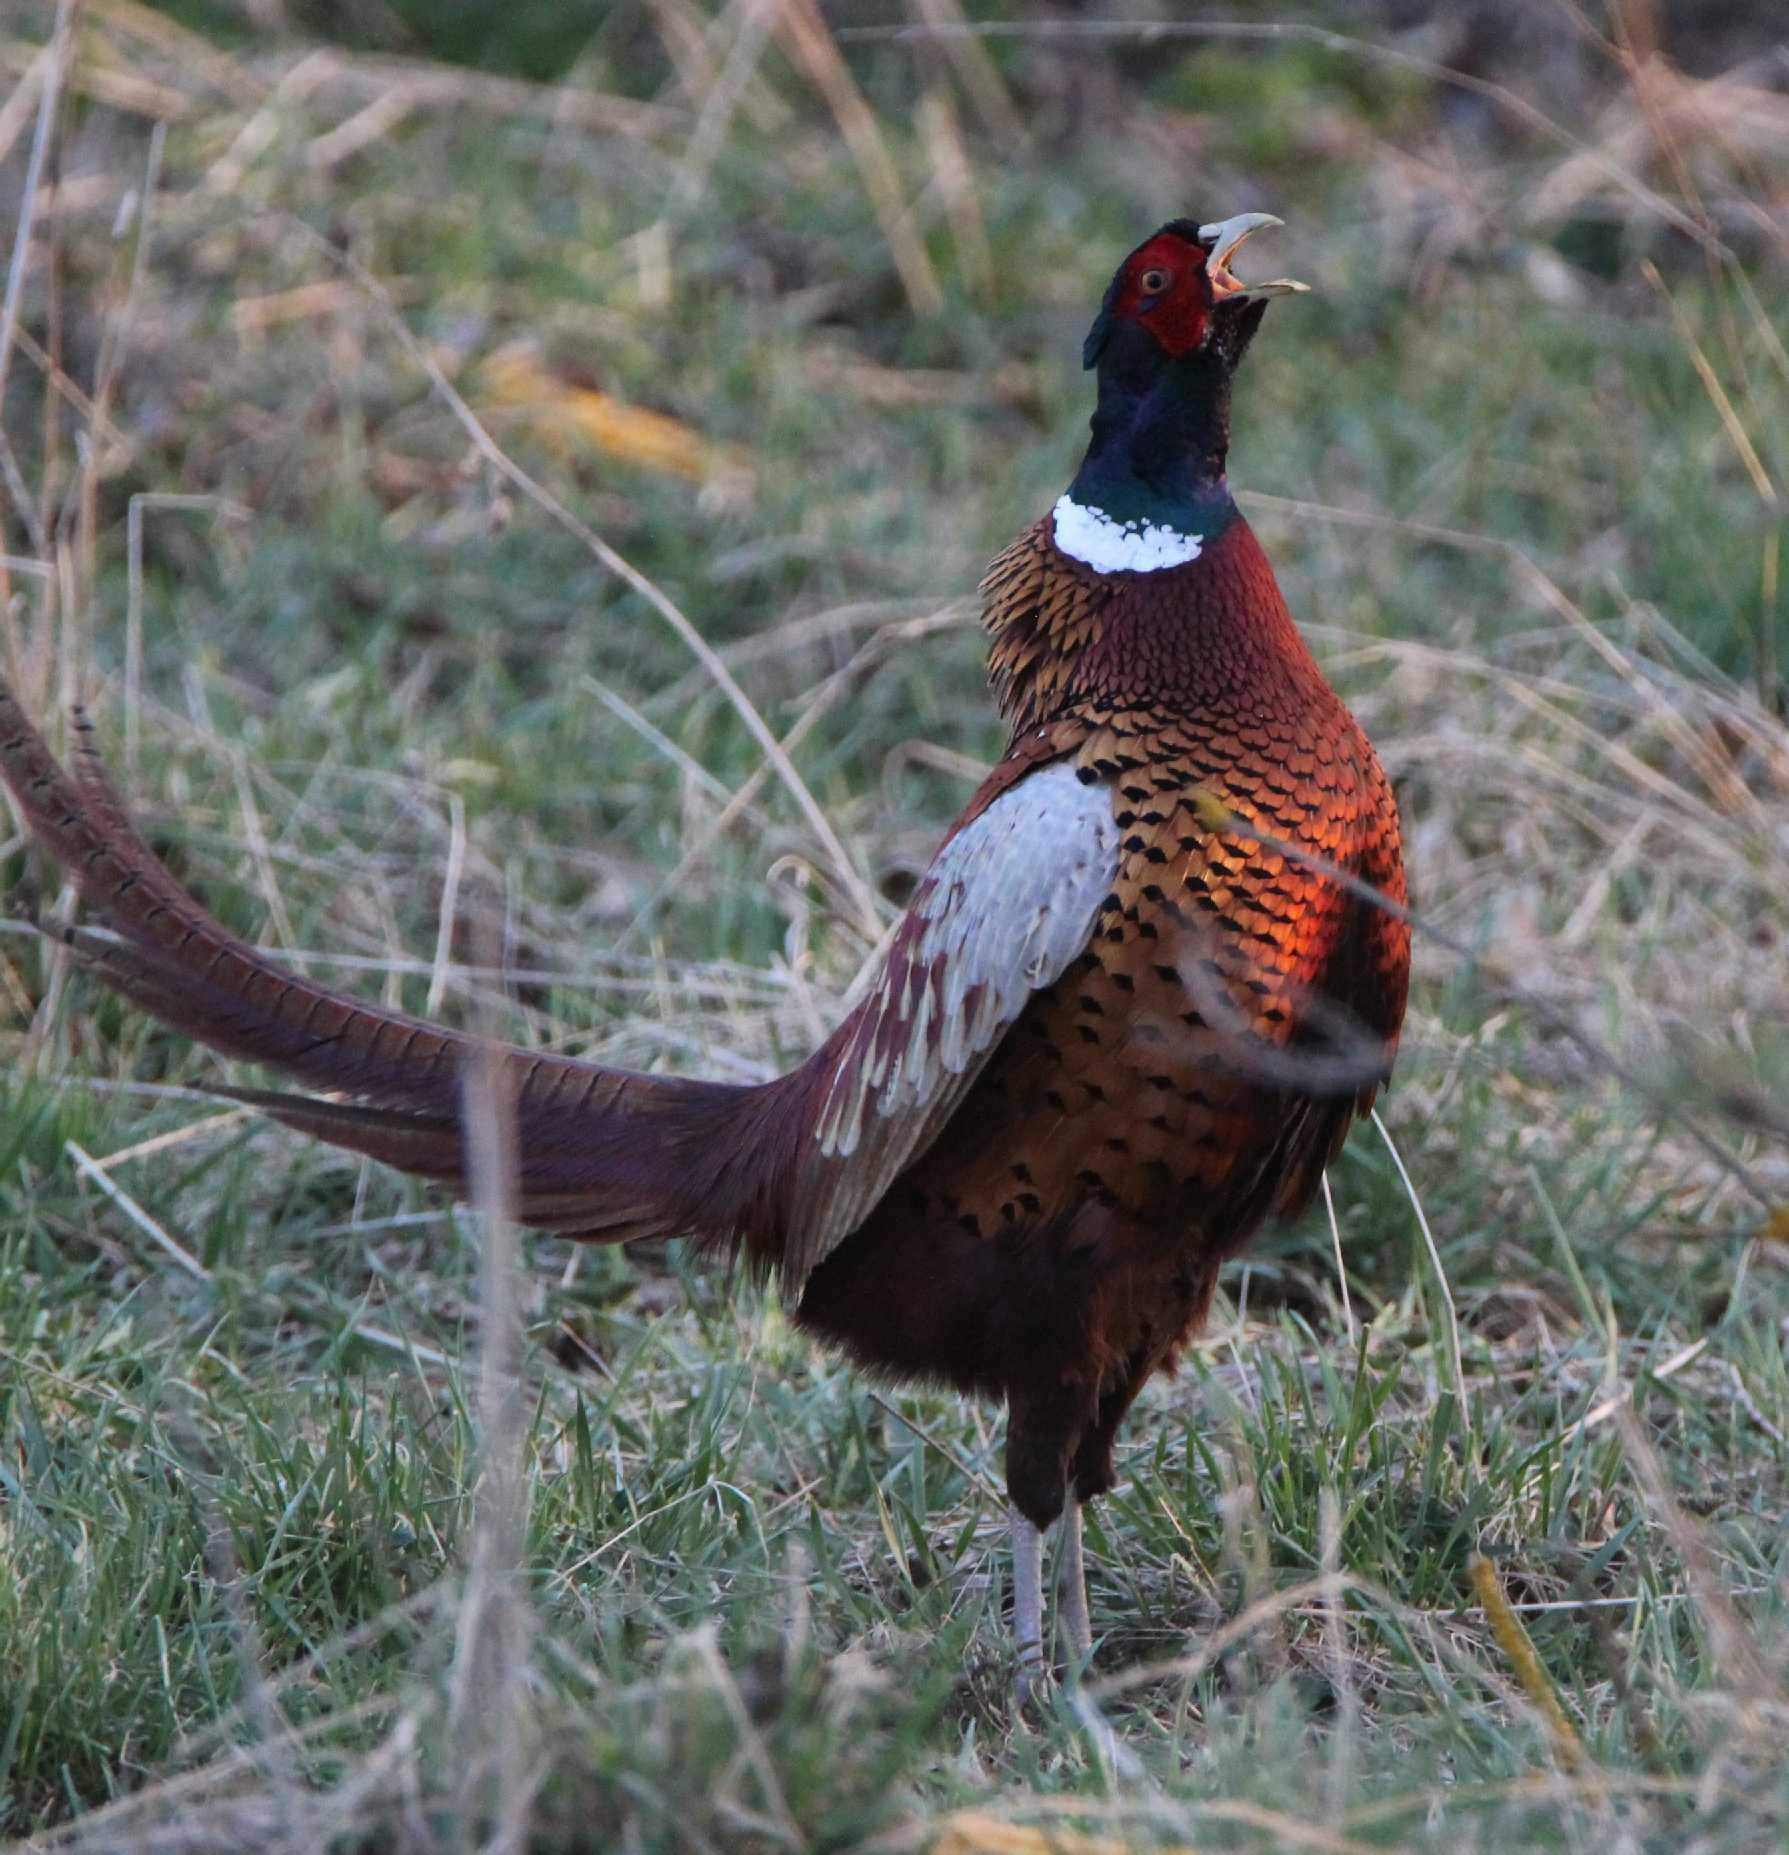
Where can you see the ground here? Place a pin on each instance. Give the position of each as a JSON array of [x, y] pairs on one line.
[[788, 314]]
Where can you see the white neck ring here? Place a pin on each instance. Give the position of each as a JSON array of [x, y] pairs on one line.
[[1110, 546]]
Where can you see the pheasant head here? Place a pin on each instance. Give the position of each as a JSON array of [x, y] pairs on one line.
[[1175, 323], [1176, 295]]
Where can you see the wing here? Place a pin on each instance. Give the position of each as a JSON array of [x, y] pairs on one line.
[[1008, 902]]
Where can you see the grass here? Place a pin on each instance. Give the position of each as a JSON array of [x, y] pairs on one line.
[[262, 1585]]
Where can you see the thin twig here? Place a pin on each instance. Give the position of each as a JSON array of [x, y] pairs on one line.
[[808, 38], [1150, 31], [442, 965], [1447, 1294], [967, 1470], [864, 900], [1335, 1235], [91, 1167], [133, 599], [55, 56], [118, 327]]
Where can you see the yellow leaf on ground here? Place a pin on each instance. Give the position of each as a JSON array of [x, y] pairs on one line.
[[566, 417], [973, 1832]]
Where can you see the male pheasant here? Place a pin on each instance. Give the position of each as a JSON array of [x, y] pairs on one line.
[[1132, 1008]]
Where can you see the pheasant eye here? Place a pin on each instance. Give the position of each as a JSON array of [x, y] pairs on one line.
[[1153, 282]]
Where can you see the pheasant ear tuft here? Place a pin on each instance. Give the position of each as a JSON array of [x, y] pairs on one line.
[[1095, 344]]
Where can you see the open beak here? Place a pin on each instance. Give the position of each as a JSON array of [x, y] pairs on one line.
[[1225, 237]]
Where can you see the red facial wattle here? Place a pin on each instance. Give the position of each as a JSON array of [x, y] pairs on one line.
[[1178, 312], [1175, 284]]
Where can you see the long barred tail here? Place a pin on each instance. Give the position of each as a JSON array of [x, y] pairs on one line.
[[602, 1153]]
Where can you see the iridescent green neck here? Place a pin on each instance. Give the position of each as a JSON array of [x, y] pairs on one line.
[[1161, 430]]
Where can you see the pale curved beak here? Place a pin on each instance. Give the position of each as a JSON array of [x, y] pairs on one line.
[[1225, 237]]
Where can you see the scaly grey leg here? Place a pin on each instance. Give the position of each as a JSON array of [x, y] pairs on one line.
[[1028, 1606], [1071, 1588]]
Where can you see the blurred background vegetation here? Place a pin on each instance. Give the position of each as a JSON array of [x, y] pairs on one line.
[[325, 328]]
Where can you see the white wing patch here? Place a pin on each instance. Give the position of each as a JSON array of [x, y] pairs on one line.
[[1005, 906], [1111, 546]]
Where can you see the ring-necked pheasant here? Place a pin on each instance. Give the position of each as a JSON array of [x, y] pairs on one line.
[[1129, 1013]]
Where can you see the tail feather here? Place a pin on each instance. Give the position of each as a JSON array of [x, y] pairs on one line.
[[602, 1153], [432, 1147]]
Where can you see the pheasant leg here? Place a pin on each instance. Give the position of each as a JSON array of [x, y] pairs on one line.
[[1071, 1590], [1028, 1607]]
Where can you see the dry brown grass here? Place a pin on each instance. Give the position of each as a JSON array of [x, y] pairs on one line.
[[561, 822]]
